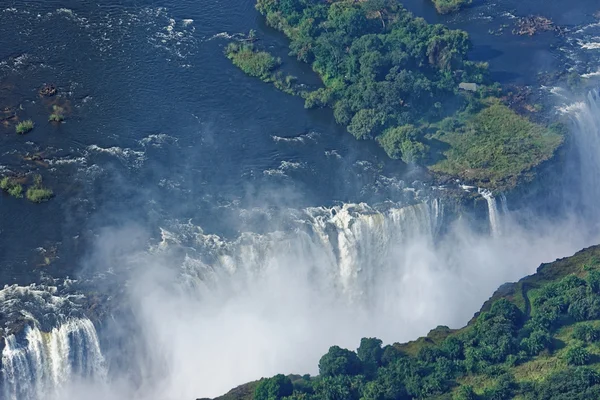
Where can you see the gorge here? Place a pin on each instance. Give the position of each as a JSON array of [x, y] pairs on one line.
[[197, 252]]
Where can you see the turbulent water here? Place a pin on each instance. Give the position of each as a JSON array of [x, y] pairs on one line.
[[51, 360], [247, 246]]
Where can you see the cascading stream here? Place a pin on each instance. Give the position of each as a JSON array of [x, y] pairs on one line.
[[493, 214]]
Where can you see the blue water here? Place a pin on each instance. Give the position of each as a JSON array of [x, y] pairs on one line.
[[161, 126]]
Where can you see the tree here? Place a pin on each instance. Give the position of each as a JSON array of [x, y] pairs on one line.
[[586, 333], [537, 341], [464, 393], [577, 355], [366, 123], [370, 353], [341, 387], [274, 388], [339, 361], [402, 143]]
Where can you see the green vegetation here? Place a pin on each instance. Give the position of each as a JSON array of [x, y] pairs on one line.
[[409, 85], [253, 62], [535, 339], [450, 6], [11, 186], [495, 146], [25, 127], [38, 193], [259, 64], [57, 114]]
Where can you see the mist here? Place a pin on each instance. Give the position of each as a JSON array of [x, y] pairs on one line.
[[202, 314]]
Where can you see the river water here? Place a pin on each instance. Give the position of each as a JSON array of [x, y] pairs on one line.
[[171, 157]]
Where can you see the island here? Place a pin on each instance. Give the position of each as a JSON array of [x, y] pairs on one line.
[[409, 85]]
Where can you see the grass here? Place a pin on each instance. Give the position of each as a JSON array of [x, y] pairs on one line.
[[450, 6], [496, 147], [37, 193], [11, 186], [25, 127]]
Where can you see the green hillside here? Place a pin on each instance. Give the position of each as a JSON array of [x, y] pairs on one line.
[[538, 338]]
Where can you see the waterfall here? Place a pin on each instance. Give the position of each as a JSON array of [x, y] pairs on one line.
[[39, 368], [493, 214], [586, 118], [347, 247]]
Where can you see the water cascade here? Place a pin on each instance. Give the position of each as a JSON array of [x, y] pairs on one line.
[[348, 246], [586, 118], [41, 366], [493, 214]]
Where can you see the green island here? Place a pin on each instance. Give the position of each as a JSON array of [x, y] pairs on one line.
[[392, 77], [35, 193], [57, 114], [24, 127], [450, 6], [538, 338]]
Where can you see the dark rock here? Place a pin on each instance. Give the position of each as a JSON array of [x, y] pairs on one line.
[[534, 24], [48, 90]]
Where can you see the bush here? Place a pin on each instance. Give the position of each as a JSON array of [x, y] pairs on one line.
[[10, 186], [577, 355], [464, 393], [537, 341], [25, 127], [450, 6], [255, 63], [57, 114], [586, 333], [37, 193], [403, 142]]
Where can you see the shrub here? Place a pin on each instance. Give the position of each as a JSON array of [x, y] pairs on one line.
[[57, 115], [403, 142], [577, 355], [586, 333], [464, 393], [37, 193], [255, 63], [10, 186], [25, 127], [450, 6]]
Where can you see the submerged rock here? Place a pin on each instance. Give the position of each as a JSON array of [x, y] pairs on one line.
[[48, 90], [534, 24]]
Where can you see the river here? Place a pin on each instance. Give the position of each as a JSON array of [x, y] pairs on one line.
[[227, 216]]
